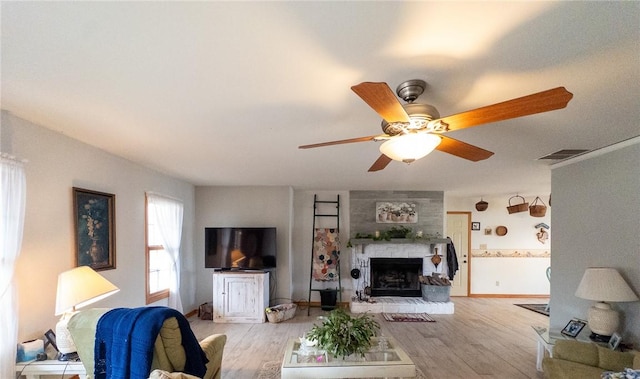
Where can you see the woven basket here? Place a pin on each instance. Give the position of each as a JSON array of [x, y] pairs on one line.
[[281, 312], [481, 205], [537, 210], [515, 208]]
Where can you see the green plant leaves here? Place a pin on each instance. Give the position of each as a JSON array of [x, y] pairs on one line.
[[342, 335]]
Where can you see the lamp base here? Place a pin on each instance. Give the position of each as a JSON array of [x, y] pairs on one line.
[[603, 320], [64, 341], [595, 337], [73, 357]]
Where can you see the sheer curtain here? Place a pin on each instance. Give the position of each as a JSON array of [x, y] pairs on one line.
[[168, 213], [12, 203]]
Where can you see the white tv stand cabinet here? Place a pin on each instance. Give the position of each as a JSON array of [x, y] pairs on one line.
[[240, 296]]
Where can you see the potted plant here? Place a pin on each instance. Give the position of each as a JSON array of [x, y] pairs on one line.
[[342, 335], [399, 232]]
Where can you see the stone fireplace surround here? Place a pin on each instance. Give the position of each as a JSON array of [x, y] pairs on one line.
[[430, 221], [360, 259]]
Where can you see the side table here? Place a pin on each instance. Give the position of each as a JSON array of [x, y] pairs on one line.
[[546, 341], [34, 369]]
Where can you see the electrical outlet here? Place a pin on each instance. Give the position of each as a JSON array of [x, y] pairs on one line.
[[483, 246], [497, 283]]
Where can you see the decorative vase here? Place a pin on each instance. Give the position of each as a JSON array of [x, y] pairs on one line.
[[95, 251]]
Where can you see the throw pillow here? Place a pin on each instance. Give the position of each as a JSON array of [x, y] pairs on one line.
[[160, 374], [626, 374]]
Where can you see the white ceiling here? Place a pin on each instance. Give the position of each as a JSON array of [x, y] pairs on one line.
[[222, 93]]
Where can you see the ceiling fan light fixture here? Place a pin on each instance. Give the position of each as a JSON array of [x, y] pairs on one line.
[[410, 147]]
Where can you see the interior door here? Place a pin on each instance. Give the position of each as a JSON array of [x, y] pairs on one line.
[[458, 229]]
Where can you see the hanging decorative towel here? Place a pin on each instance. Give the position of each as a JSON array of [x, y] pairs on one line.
[[326, 255]]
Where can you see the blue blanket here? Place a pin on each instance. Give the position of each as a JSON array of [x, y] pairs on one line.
[[125, 338]]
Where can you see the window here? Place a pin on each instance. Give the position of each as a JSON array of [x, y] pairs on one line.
[[158, 261], [163, 240]]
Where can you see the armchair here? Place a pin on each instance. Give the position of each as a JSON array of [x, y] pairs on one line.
[[168, 354]]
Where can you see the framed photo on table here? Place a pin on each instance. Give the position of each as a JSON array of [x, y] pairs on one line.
[[614, 341], [50, 338], [573, 328], [94, 229]]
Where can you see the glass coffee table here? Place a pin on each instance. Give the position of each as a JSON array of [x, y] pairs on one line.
[[388, 362]]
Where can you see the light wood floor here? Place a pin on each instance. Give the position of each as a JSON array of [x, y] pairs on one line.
[[485, 338]]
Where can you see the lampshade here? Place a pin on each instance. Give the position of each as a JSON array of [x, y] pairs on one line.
[[410, 147], [79, 287], [76, 288], [604, 284]]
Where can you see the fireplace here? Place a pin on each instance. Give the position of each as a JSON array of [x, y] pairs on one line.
[[395, 277]]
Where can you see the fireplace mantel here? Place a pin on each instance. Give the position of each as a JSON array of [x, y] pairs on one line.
[[425, 241]]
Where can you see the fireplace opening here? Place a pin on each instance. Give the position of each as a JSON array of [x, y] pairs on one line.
[[396, 277]]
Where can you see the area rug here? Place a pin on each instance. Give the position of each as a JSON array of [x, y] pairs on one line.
[[539, 308], [408, 317], [271, 370]]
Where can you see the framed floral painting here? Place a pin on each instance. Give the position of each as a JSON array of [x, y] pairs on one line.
[[396, 213], [94, 226]]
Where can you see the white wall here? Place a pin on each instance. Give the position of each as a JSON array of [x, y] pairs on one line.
[[506, 275], [56, 164], [290, 211], [302, 243], [245, 207], [596, 200]]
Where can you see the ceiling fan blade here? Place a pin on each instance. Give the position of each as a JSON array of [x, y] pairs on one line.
[[339, 142], [544, 101], [380, 163], [380, 97], [463, 149]]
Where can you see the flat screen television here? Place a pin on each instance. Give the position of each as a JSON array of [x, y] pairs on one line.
[[231, 248]]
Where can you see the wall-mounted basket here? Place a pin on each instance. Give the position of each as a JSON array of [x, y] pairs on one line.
[[537, 210], [517, 207], [482, 205]]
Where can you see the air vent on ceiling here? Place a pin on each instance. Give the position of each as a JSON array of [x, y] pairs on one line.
[[564, 154]]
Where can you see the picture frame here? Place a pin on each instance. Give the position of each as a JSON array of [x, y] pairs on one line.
[[396, 212], [475, 226], [94, 229], [573, 328], [614, 341], [50, 338]]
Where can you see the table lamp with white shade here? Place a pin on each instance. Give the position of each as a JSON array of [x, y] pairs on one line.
[[77, 288], [604, 285]]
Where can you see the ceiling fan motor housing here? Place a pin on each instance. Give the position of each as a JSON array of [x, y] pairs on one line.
[[411, 89]]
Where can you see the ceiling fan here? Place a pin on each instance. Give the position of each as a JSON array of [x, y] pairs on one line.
[[413, 130]]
